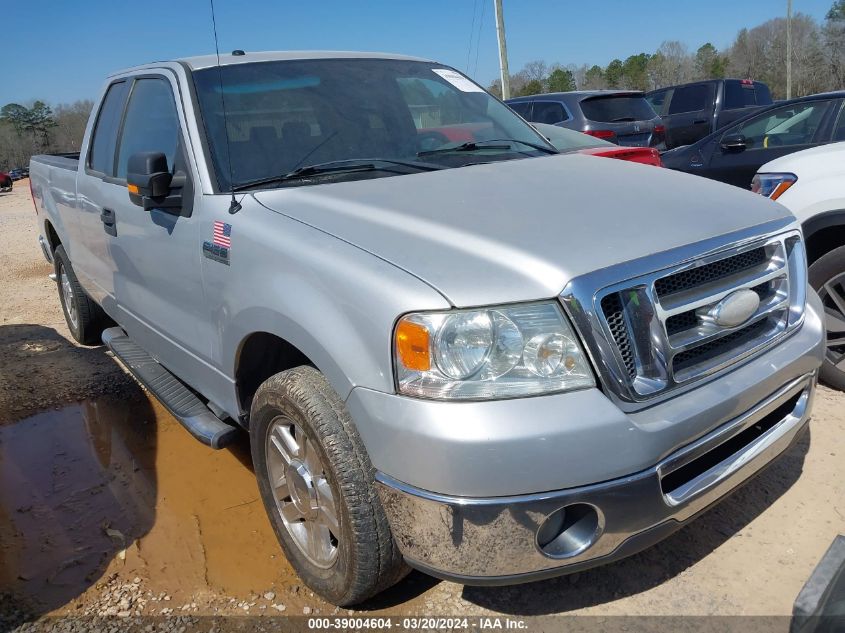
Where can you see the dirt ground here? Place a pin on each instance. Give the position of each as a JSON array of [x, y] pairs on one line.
[[108, 507]]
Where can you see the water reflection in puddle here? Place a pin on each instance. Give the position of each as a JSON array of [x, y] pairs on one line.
[[119, 486]]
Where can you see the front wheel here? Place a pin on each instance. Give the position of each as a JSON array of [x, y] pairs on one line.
[[827, 277], [317, 484]]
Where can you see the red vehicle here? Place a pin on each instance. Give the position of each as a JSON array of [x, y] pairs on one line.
[[5, 182], [565, 140], [644, 155]]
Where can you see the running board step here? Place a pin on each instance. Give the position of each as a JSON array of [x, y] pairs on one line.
[[188, 410]]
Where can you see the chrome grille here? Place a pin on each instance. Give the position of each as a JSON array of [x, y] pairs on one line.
[[612, 306], [710, 272], [658, 331]]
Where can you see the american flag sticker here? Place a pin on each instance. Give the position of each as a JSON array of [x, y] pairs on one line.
[[222, 234], [221, 241]]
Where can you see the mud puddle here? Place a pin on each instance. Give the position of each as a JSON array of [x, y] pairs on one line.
[[111, 489]]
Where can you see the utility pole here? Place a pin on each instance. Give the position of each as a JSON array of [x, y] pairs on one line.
[[788, 49], [503, 51]]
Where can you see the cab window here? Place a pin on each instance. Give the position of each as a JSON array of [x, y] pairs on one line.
[[101, 154], [151, 123]]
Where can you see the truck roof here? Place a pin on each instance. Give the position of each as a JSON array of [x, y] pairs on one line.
[[201, 62]]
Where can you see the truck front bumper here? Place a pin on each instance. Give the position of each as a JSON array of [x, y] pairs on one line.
[[504, 540]]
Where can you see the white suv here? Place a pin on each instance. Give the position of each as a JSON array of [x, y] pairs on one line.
[[811, 184]]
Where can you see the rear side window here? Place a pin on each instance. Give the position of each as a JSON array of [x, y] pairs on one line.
[[548, 112], [101, 154], [151, 125], [521, 108], [689, 99], [617, 109]]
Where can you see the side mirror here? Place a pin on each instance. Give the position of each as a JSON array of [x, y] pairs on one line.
[[734, 143], [149, 181]]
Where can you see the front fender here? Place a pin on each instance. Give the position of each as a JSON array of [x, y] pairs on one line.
[[334, 302]]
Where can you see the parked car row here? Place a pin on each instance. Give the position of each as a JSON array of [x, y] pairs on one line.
[[19, 173], [665, 118], [734, 153], [692, 111], [452, 346]]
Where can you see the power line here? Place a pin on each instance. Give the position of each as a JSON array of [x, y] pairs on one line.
[[471, 31], [478, 40]]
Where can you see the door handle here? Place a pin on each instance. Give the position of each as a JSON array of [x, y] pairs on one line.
[[699, 121], [107, 217]]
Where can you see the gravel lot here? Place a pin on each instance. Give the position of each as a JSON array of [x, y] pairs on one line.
[[108, 507]]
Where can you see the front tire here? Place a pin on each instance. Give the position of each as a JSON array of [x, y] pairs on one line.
[[827, 277], [85, 319], [317, 484]]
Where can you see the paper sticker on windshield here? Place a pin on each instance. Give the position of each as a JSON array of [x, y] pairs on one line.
[[456, 79]]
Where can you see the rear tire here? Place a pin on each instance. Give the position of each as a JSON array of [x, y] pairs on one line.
[[316, 480], [827, 277], [85, 319]]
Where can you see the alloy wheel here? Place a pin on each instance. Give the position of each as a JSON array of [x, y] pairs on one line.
[[304, 498]]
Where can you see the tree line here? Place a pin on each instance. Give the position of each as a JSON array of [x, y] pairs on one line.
[[818, 62], [37, 128]]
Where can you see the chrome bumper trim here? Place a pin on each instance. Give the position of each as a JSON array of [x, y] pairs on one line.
[[494, 539]]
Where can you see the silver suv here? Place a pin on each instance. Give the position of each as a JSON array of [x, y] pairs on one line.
[[621, 117]]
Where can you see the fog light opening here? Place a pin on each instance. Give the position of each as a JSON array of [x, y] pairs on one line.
[[569, 531]]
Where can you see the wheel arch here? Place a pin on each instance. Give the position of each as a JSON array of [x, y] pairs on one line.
[[261, 355], [823, 233], [51, 235]]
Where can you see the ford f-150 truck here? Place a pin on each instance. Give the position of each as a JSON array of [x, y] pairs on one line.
[[478, 358]]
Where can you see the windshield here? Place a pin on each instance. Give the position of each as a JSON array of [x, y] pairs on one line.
[[286, 115]]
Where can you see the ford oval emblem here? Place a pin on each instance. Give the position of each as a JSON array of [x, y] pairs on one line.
[[736, 308]]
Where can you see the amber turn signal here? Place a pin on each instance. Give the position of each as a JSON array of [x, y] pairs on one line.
[[412, 346]]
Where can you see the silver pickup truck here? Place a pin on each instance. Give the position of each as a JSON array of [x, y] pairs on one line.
[[451, 347]]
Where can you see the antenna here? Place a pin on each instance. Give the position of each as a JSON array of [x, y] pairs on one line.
[[234, 206]]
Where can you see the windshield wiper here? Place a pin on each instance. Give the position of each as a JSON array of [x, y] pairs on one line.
[[349, 165], [472, 146]]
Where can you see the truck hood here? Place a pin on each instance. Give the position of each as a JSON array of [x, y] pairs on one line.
[[520, 230]]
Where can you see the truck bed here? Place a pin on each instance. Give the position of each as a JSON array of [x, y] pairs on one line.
[[69, 160]]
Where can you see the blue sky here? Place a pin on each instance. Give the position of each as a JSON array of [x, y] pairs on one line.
[[63, 50]]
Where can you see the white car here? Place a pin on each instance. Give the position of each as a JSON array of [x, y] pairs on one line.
[[811, 184]]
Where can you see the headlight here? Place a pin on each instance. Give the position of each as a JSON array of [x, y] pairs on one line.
[[772, 185], [499, 352]]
